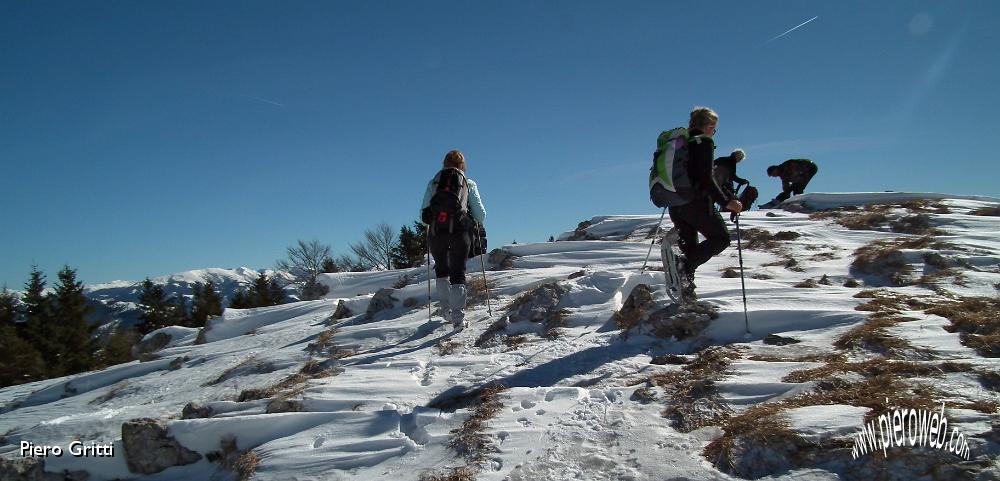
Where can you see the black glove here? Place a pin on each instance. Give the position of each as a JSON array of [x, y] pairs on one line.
[[742, 182], [733, 216]]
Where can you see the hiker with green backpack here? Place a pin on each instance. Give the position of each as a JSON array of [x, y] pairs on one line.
[[681, 181], [451, 208]]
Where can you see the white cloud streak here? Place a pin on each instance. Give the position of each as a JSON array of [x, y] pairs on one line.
[[792, 29]]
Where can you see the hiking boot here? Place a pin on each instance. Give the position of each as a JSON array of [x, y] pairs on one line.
[[688, 287], [456, 300], [443, 289]]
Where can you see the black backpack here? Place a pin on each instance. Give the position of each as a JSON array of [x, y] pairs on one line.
[[448, 209]]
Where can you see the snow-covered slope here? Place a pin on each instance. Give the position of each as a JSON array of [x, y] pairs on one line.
[[395, 395]]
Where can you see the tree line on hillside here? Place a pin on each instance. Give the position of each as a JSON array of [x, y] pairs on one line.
[[46, 333]]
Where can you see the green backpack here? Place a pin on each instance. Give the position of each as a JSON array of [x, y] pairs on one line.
[[669, 182]]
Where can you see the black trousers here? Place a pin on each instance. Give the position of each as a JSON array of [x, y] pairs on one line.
[[796, 188], [450, 251], [699, 216]]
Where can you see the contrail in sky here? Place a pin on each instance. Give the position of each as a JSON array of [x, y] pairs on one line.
[[264, 100], [791, 30]]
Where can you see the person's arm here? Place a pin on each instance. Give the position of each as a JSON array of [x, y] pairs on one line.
[[427, 199], [701, 152], [476, 208]]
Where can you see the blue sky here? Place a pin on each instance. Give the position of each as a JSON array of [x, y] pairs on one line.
[[145, 138]]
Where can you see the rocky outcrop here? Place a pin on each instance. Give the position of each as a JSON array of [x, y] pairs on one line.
[[149, 450], [31, 469], [381, 301], [539, 304], [151, 345], [341, 312]]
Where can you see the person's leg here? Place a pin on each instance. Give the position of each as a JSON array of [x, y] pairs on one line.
[[460, 242], [687, 236], [442, 288], [708, 222]]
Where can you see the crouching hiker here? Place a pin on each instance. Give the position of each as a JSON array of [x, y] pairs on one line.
[[795, 175], [725, 176], [451, 206]]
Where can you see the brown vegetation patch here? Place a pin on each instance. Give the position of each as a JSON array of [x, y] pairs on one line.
[[869, 369], [325, 347], [761, 239], [807, 284], [823, 256], [730, 273], [992, 211], [291, 385], [925, 205], [691, 389], [461, 473], [787, 261], [479, 289], [635, 308], [919, 224], [872, 335], [514, 342], [886, 301], [977, 319], [470, 440], [885, 258], [447, 348], [243, 464]]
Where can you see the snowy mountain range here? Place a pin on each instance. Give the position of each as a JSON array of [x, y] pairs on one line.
[[866, 312]]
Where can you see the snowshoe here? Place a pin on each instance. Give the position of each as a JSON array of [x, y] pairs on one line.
[[672, 269]]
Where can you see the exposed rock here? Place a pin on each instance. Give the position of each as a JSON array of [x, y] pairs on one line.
[[283, 406], [682, 321], [196, 411], [177, 362], [635, 308], [577, 274], [149, 450], [341, 312], [151, 345], [381, 301], [539, 304], [501, 259], [776, 340], [581, 232], [673, 359]]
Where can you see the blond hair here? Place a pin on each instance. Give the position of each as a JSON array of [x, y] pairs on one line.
[[702, 117], [454, 159]]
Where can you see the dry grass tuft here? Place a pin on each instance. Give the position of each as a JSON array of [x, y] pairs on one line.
[[864, 220], [447, 348], [470, 440], [872, 335], [691, 390], [514, 342], [889, 302], [869, 369], [977, 319], [325, 347], [291, 385], [914, 224], [461, 473], [807, 284], [730, 273], [477, 291], [635, 308], [242, 463]]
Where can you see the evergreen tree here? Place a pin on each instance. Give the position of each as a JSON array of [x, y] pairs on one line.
[[117, 349], [8, 308], [38, 327], [241, 299], [205, 304], [329, 266], [260, 292], [276, 294], [73, 333], [156, 309], [178, 312], [21, 361], [411, 248]]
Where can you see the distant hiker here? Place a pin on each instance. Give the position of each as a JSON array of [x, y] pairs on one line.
[[451, 204], [725, 176], [795, 176], [691, 206]]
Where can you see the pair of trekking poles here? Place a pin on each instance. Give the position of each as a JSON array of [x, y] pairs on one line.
[[739, 248], [482, 264]]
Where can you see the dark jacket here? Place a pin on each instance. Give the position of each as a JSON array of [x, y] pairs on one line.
[[797, 172], [701, 151], [725, 173]]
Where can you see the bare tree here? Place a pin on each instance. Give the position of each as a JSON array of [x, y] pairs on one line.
[[305, 263], [377, 246]]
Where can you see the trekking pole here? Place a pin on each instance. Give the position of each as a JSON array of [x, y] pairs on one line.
[[656, 231], [486, 284], [427, 244], [743, 285]]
